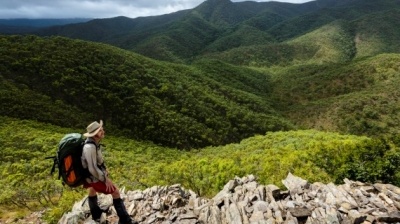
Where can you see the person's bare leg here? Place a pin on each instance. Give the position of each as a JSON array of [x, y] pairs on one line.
[[92, 192]]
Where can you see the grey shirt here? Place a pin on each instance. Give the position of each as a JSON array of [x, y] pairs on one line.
[[92, 159]]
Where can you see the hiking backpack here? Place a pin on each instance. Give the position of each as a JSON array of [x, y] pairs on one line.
[[68, 160]]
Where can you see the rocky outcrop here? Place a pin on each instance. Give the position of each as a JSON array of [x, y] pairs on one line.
[[245, 201]]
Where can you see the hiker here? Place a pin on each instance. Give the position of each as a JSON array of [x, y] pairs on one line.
[[98, 181]]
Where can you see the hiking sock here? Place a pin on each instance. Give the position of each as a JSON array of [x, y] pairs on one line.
[[94, 207], [121, 211]]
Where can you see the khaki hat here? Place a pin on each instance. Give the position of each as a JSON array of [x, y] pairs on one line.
[[93, 128]]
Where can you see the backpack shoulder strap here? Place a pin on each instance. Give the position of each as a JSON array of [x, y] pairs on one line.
[[91, 142], [55, 163]]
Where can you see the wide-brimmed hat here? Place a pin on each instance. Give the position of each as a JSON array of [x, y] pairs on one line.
[[93, 128]]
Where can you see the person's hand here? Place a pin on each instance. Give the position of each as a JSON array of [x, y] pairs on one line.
[[109, 185]]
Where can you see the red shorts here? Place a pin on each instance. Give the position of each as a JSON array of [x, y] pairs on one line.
[[99, 187]]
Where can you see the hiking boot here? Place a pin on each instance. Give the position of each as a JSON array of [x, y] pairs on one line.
[[101, 220], [123, 215]]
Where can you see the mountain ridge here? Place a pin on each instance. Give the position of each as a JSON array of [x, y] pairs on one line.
[[153, 36], [216, 25]]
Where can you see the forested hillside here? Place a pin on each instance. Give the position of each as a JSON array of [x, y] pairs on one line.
[[359, 97], [67, 82]]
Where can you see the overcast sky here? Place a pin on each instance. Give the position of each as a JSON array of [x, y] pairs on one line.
[[97, 8]]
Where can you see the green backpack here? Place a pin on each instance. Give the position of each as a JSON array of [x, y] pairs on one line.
[[68, 160]]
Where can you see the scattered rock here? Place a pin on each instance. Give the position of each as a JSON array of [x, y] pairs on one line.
[[244, 201]]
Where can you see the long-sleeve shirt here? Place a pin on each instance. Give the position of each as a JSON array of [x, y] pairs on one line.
[[92, 159]]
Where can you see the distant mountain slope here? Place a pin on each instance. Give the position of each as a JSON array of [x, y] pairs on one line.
[[40, 22], [67, 82], [175, 37], [224, 26], [377, 33], [22, 26], [111, 30], [360, 97], [331, 43], [336, 42], [340, 10], [10, 29]]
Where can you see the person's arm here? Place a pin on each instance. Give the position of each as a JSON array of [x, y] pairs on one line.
[[98, 159], [90, 153], [100, 162]]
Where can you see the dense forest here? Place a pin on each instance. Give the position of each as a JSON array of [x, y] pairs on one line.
[[174, 105], [200, 96]]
